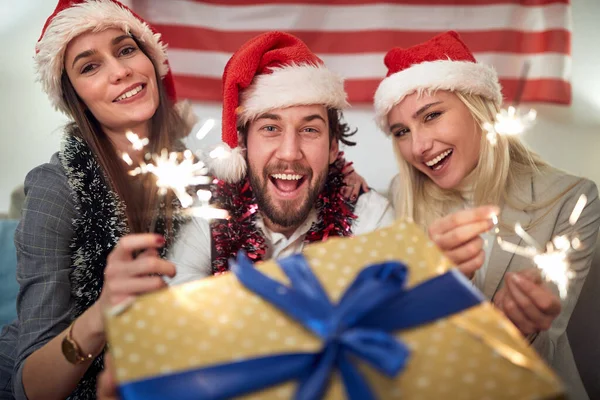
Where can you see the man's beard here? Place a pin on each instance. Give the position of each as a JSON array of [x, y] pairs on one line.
[[291, 213]]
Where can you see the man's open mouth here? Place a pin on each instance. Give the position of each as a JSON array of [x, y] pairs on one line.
[[287, 182]]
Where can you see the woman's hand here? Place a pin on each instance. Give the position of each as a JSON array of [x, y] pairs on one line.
[[457, 235], [354, 183], [527, 302], [127, 275]]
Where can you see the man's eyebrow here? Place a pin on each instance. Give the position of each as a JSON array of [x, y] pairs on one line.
[[269, 116], [312, 117]]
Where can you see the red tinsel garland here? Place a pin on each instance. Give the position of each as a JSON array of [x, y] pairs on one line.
[[239, 232]]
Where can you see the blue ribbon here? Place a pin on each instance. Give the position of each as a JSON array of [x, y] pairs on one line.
[[359, 327]]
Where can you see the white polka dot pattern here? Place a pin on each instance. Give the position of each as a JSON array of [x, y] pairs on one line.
[[216, 320]]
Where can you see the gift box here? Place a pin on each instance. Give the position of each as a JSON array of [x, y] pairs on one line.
[[381, 315]]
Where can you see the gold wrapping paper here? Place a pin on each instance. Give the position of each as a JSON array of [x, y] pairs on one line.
[[476, 354]]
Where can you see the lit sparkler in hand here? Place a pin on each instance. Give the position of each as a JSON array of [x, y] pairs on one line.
[[511, 121], [552, 261]]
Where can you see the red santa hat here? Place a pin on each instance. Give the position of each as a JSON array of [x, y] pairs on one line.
[[70, 19], [442, 63], [272, 70]]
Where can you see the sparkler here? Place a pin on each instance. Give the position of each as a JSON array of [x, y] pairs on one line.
[[205, 128], [175, 171], [175, 175], [205, 210], [552, 261], [136, 142], [511, 121]]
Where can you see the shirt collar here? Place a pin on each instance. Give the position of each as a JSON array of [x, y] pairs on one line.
[[275, 237]]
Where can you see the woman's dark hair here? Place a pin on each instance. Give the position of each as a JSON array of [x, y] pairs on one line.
[[166, 128]]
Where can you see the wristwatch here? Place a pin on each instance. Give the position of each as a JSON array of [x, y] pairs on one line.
[[71, 349]]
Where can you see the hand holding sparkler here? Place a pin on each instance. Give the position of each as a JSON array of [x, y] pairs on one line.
[[527, 302], [457, 235], [134, 266], [127, 275]]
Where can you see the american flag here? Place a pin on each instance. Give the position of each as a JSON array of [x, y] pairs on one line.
[[352, 37]]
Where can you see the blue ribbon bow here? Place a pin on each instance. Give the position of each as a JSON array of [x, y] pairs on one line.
[[359, 327]]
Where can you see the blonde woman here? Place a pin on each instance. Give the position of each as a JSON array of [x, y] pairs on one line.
[[433, 104]]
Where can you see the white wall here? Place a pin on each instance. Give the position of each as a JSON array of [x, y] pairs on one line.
[[567, 137]]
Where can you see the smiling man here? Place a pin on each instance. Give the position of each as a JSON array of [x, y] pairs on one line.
[[282, 183], [289, 152]]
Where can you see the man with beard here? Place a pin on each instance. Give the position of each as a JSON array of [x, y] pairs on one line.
[[282, 182]]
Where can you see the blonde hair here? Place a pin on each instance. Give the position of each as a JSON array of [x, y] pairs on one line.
[[419, 199]]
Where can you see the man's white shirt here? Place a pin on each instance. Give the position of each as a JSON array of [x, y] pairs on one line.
[[191, 252]]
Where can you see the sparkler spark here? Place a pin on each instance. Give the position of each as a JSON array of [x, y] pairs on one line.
[[205, 128], [555, 266], [204, 195], [177, 172], [218, 152], [136, 142], [204, 210], [552, 261], [175, 175], [127, 159], [509, 122], [578, 209], [495, 222]]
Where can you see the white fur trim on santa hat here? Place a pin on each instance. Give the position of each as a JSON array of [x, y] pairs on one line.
[[292, 85], [457, 76], [228, 164], [93, 16]]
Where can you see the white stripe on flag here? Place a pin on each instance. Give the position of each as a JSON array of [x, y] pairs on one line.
[[370, 66], [358, 17]]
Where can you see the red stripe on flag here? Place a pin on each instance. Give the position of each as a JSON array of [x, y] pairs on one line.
[[198, 88], [536, 90], [504, 41], [362, 91]]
